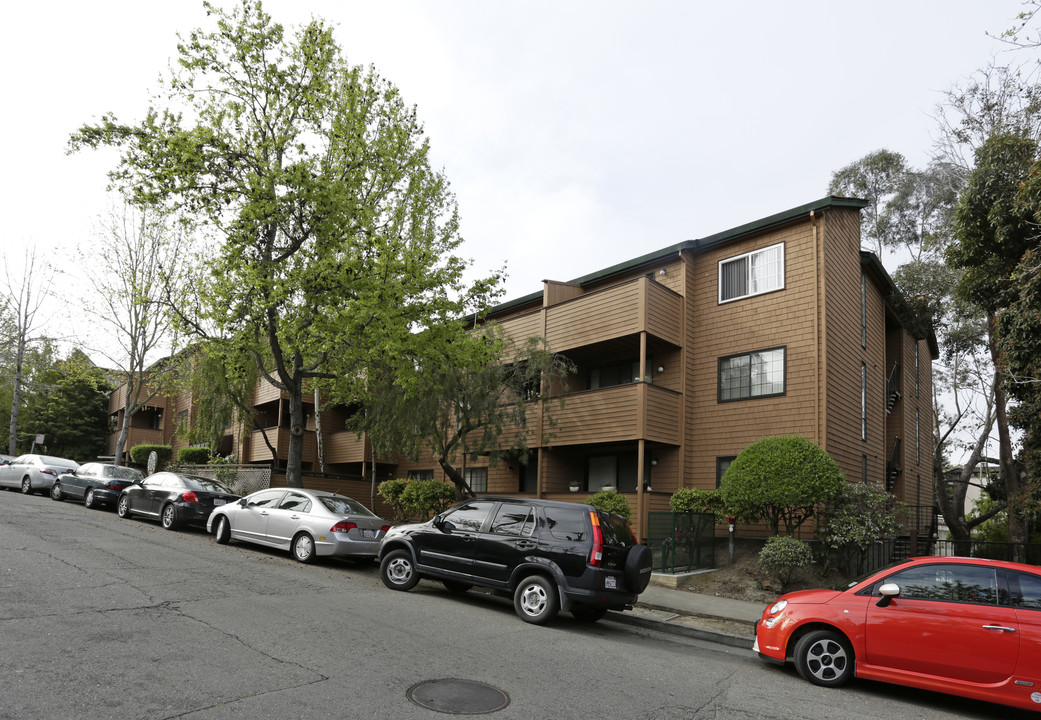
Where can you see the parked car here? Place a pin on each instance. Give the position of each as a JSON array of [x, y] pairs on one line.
[[963, 626], [174, 499], [548, 555], [34, 473], [308, 523], [95, 484]]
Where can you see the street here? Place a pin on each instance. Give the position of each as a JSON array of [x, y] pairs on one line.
[[109, 618]]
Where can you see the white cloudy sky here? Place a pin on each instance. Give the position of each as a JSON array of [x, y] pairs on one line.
[[576, 134]]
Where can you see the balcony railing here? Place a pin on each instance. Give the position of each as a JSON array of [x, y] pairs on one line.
[[615, 414], [279, 437], [344, 447]]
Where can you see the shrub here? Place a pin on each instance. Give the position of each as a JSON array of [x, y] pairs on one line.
[[696, 500], [423, 498], [139, 455], [610, 501], [862, 514], [193, 456], [780, 480], [391, 491], [782, 556]]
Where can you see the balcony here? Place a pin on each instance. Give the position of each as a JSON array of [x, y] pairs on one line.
[[279, 437], [344, 447], [617, 414], [631, 307]]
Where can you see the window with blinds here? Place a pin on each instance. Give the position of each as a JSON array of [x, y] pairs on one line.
[[753, 273]]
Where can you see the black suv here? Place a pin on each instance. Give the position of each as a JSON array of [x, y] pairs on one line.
[[548, 555]]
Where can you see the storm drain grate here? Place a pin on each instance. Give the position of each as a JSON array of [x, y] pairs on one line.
[[458, 697]]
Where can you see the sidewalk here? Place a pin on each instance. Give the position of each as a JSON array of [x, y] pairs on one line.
[[705, 617]]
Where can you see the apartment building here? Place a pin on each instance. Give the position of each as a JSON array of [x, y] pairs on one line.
[[684, 357]]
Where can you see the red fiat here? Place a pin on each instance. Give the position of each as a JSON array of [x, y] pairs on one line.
[[963, 626]]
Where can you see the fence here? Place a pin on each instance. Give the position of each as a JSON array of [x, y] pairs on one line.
[[1029, 553], [243, 479], [681, 542]]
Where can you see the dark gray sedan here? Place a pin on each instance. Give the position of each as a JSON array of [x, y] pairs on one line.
[[95, 484], [308, 523]]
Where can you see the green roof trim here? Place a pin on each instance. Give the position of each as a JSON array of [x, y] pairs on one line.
[[741, 231]]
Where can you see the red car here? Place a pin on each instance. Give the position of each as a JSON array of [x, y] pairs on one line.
[[963, 626]]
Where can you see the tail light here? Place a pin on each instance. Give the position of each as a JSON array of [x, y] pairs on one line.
[[343, 527], [384, 528], [113, 486], [49, 471], [190, 496], [597, 554]]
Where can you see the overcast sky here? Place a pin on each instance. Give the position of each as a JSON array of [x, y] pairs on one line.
[[576, 135]]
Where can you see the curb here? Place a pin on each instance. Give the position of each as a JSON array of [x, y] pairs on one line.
[[673, 628]]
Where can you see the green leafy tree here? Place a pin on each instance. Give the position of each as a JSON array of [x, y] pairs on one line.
[[466, 396], [876, 178], [860, 516], [391, 491], [780, 480], [334, 240], [611, 501], [424, 498], [782, 556], [697, 500]]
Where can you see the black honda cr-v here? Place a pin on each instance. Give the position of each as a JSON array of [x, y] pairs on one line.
[[548, 555]]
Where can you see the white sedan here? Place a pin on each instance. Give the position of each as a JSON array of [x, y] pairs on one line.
[[308, 523], [34, 473]]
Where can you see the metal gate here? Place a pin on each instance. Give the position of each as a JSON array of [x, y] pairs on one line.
[[682, 542]]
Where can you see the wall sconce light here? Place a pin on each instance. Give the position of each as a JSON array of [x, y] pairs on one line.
[[573, 487], [661, 369], [654, 461], [662, 271]]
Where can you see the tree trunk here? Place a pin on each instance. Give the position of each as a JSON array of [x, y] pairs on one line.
[[462, 489], [1017, 524], [16, 395], [294, 461]]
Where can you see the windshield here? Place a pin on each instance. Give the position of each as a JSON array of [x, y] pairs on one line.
[[200, 483], [342, 505]]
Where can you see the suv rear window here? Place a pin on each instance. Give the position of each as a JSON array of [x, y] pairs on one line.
[[567, 524], [616, 531]]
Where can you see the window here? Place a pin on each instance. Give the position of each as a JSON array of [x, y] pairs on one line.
[[917, 436], [863, 401], [514, 519], [420, 475], [755, 374], [863, 310], [566, 524], [469, 517], [1024, 589], [753, 273], [611, 471], [477, 479], [917, 383], [951, 583], [623, 373], [297, 503], [722, 463]]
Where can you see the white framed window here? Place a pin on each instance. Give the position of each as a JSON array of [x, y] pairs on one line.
[[750, 375], [754, 273], [477, 479]]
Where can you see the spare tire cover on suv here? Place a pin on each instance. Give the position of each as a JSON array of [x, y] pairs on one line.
[[638, 562]]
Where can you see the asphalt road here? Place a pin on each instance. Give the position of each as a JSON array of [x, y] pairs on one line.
[[109, 618]]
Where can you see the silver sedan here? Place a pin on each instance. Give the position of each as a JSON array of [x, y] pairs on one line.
[[308, 523], [34, 473]]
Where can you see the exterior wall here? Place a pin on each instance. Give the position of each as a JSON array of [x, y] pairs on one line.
[[783, 318]]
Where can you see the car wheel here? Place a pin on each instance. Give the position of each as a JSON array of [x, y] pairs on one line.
[[223, 530], [169, 517], [588, 613], [123, 506], [397, 570], [456, 586], [824, 657], [56, 492], [535, 600], [303, 548], [89, 500], [638, 564], [27, 486]]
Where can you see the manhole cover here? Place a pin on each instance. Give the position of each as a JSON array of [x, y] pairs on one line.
[[459, 697]]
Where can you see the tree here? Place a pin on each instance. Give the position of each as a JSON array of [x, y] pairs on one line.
[[993, 233], [24, 297], [780, 480], [468, 396], [875, 178], [128, 267], [334, 239], [861, 515], [69, 407]]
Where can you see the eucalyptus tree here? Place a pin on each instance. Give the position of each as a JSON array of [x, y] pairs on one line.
[[334, 239]]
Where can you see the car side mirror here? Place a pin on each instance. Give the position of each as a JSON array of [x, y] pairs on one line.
[[242, 502], [888, 591]]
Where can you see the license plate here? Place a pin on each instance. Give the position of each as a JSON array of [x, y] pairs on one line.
[[610, 583], [368, 533], [220, 502]]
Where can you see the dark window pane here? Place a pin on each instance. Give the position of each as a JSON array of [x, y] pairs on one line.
[[566, 524]]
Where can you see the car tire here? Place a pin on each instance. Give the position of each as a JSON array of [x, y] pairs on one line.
[[89, 501], [455, 586], [825, 658], [397, 570], [535, 600], [27, 486], [638, 564], [123, 506], [56, 493], [303, 548], [168, 517], [222, 532], [588, 613]]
